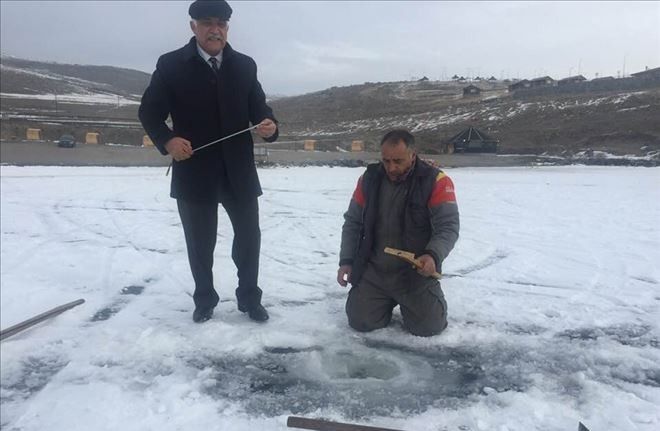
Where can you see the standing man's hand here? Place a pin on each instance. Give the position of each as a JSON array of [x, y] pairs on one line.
[[179, 148], [344, 274], [266, 128], [427, 263]]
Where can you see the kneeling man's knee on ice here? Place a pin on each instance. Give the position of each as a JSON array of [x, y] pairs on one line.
[[367, 312], [425, 313]]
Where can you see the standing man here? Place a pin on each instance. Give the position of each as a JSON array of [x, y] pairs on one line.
[[211, 91], [407, 204]]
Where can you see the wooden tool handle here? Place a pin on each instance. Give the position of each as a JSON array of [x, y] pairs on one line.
[[410, 258], [5, 333]]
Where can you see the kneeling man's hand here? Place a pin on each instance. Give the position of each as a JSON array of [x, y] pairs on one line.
[[427, 263], [344, 274]]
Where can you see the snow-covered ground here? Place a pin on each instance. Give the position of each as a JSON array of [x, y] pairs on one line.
[[553, 292]]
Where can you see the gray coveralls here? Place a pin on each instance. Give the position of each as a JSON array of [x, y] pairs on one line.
[[383, 285]]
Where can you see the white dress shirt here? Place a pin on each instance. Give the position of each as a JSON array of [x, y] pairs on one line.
[[206, 56]]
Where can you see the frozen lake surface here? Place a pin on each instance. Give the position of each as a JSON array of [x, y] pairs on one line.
[[553, 293]]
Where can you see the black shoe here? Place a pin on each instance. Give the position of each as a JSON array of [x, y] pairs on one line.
[[258, 313], [202, 314]]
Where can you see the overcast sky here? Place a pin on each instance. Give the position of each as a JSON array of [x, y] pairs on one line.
[[303, 46]]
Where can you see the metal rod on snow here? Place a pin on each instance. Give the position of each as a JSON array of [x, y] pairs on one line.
[[321, 425], [214, 142], [12, 330]]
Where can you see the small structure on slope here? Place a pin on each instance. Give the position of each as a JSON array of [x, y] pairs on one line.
[[471, 90], [470, 140], [571, 80]]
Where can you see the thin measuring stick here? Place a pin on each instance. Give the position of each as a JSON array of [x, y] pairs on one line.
[[214, 142], [226, 137]]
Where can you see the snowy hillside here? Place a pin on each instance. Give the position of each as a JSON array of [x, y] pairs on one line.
[[620, 122], [432, 121], [21, 76], [553, 293]]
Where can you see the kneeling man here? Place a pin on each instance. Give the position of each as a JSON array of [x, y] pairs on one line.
[[403, 203]]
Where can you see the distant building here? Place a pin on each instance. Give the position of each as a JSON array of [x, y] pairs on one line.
[[653, 74], [603, 79], [492, 78], [471, 140], [519, 85], [571, 80], [544, 81], [423, 79], [471, 90]]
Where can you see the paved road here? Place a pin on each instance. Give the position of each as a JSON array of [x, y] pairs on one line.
[[49, 154]]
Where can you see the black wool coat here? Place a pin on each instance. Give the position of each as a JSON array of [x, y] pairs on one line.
[[204, 107]]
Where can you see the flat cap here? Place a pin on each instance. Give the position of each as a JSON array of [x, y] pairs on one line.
[[210, 9]]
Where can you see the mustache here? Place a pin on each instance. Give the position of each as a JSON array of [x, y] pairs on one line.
[[216, 37]]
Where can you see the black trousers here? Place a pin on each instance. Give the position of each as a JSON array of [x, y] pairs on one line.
[[200, 227]]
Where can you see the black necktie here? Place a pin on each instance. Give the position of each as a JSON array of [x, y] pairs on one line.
[[214, 64]]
